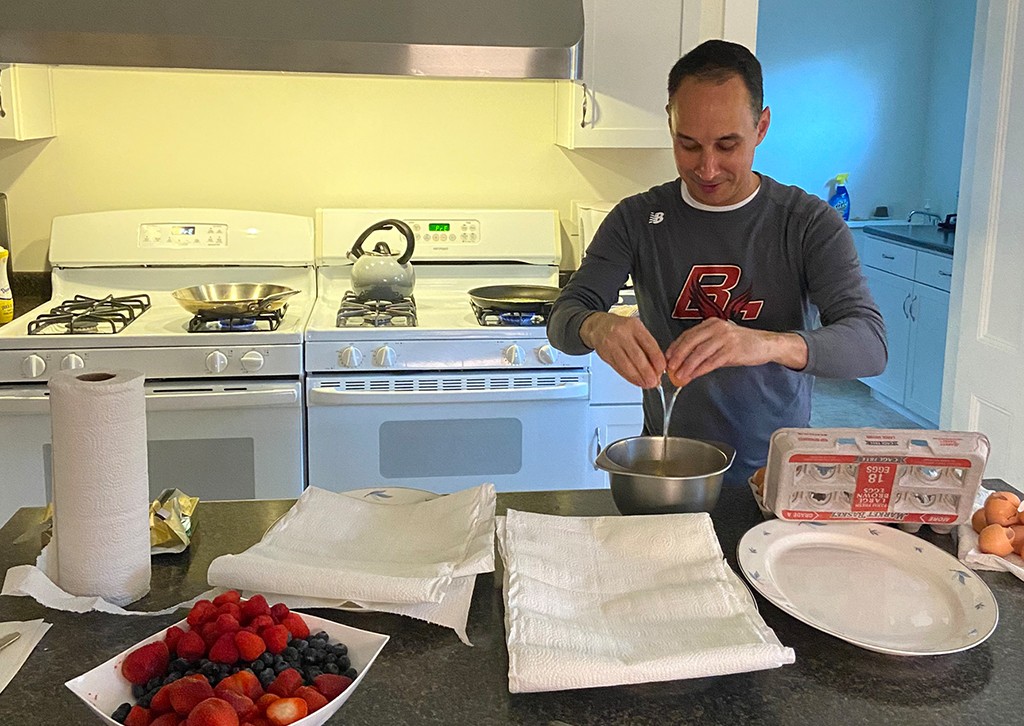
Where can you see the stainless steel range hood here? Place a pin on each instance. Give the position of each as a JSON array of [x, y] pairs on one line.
[[439, 38]]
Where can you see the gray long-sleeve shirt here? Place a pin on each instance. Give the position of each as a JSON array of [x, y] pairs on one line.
[[765, 265]]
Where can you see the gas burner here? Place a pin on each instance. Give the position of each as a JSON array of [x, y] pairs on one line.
[[90, 316], [354, 311], [522, 318], [237, 324]]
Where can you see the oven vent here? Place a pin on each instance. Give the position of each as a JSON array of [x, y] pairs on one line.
[[473, 382]]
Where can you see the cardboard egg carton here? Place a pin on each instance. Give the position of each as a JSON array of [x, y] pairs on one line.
[[905, 476]]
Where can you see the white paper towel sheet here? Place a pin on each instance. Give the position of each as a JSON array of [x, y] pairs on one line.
[[100, 485], [13, 657], [602, 601], [970, 555], [331, 550]]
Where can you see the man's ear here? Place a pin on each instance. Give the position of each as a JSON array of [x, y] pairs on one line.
[[763, 123]]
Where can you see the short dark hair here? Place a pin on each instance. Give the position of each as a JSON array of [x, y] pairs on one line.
[[717, 61]]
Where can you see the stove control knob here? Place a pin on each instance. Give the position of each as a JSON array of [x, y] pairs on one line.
[[252, 361], [216, 362], [33, 366], [547, 354], [71, 362], [514, 355], [350, 357], [384, 357]]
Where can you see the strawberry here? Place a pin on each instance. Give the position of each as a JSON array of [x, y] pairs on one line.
[[255, 606], [261, 621], [213, 712], [265, 700], [229, 596], [146, 663], [276, 637], [188, 691], [286, 710], [232, 609], [201, 612], [227, 623], [278, 611], [243, 705], [311, 696], [191, 646], [244, 682], [331, 685], [286, 682], [296, 625], [161, 702], [224, 650], [172, 637], [250, 646], [210, 632], [167, 719], [138, 716]]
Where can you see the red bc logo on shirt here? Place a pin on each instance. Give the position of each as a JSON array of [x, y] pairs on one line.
[[708, 293]]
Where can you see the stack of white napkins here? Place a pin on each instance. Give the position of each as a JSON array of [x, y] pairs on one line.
[[602, 601], [332, 550]]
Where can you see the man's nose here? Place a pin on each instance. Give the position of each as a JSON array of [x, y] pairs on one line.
[[707, 168]]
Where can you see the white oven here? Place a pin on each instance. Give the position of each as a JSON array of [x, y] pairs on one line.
[[224, 440], [447, 431]]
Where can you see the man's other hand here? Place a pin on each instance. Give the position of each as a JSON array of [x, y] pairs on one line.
[[627, 346]]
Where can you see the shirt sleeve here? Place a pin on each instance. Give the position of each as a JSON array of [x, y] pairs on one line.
[[851, 341], [595, 286]]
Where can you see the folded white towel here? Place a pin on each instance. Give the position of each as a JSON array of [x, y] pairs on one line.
[[600, 601]]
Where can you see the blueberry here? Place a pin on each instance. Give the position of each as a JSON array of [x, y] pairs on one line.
[[282, 666], [318, 644], [171, 677], [310, 657], [312, 673], [208, 669], [332, 668], [290, 653], [121, 713], [256, 666], [299, 644], [322, 635], [267, 658], [266, 677], [278, 659], [145, 700], [224, 669], [340, 649], [351, 673], [138, 691], [344, 663]]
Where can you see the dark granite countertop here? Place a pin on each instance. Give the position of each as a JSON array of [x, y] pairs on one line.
[[919, 236], [30, 289], [426, 676]]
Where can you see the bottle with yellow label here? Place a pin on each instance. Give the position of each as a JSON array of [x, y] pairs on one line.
[[6, 299]]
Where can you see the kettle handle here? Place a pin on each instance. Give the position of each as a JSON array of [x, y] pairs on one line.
[[357, 248]]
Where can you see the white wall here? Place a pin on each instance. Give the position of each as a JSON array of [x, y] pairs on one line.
[[874, 88]]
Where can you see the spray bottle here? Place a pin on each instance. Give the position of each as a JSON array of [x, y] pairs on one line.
[[6, 299], [841, 199]]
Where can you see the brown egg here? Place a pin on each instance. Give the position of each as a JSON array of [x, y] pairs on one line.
[[758, 478], [1008, 496], [1000, 511], [978, 520], [996, 540], [1018, 537]]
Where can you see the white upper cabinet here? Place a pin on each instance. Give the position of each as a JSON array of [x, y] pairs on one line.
[[628, 50], [26, 102]]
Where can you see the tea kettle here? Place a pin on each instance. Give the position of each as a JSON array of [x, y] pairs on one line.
[[378, 274]]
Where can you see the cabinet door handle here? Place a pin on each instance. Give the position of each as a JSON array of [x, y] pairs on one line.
[[943, 273], [583, 115], [912, 302], [2, 112], [887, 257], [597, 436], [906, 313]]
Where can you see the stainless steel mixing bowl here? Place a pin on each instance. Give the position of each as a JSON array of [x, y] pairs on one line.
[[648, 477]]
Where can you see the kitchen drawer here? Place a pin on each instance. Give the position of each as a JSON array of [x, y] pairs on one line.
[[894, 258], [934, 270]]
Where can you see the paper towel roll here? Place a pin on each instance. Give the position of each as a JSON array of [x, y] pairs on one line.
[[100, 484]]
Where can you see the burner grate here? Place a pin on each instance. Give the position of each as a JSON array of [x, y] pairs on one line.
[[519, 318], [90, 316], [262, 322], [354, 311]]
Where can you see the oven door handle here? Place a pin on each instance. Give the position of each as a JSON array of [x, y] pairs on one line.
[[336, 397], [36, 404], [212, 400]]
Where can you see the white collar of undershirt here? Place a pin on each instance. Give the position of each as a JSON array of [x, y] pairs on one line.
[[708, 208]]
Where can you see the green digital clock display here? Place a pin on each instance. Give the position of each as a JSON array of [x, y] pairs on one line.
[[439, 227]]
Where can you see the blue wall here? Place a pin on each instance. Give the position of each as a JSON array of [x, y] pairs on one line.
[[874, 88]]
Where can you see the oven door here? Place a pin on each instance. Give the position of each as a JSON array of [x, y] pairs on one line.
[[231, 440], [448, 431]]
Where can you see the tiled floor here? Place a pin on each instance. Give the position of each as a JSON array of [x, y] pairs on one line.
[[849, 404]]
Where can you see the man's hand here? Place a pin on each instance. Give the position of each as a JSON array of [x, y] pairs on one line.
[[717, 343], [627, 346]]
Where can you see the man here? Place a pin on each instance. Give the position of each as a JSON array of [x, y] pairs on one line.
[[727, 265]]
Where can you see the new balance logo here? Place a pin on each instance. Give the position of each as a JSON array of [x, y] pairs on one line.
[[656, 218]]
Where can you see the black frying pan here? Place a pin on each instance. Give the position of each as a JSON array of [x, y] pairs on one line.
[[514, 298]]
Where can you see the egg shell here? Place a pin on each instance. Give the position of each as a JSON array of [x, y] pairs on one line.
[[1018, 537], [1008, 496], [996, 540], [978, 521], [1000, 511]]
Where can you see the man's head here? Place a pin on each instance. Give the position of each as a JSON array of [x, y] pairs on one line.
[[716, 119]]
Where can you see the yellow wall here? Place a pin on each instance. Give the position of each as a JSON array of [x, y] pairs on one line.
[[291, 143]]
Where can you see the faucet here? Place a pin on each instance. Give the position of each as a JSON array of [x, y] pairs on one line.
[[910, 217]]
